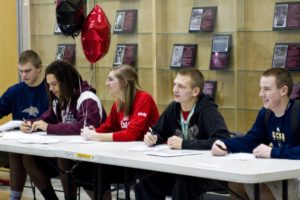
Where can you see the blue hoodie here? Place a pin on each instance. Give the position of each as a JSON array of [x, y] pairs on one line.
[[277, 133], [23, 101]]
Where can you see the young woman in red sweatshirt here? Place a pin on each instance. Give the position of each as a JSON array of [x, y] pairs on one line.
[[133, 112]]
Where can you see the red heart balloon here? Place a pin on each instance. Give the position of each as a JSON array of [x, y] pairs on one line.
[[95, 35]]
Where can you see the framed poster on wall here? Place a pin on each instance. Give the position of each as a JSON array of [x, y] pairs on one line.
[[66, 52], [220, 51], [296, 91], [210, 88], [125, 54], [286, 16], [125, 21], [287, 55], [202, 19], [183, 55]]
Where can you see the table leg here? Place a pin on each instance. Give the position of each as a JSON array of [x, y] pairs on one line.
[[68, 184], [97, 182], [285, 189], [256, 191], [127, 184]]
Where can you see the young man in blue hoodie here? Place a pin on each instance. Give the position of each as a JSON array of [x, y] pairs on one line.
[[25, 100], [273, 134]]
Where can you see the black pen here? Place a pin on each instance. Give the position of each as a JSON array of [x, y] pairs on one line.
[[150, 131], [221, 147], [29, 127], [157, 135]]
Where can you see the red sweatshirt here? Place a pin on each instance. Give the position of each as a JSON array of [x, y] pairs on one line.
[[133, 127]]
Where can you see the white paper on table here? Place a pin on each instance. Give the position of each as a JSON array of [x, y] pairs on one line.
[[144, 148], [238, 156], [81, 141], [41, 146], [15, 135], [38, 140], [30, 138], [10, 125], [172, 152]]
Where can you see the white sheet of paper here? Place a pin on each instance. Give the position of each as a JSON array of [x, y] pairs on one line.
[[144, 148], [41, 146], [81, 141], [32, 138], [15, 135], [238, 156], [172, 152], [38, 140], [10, 125]]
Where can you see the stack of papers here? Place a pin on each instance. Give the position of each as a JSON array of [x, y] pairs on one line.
[[32, 138], [172, 153], [81, 140], [239, 156], [144, 148], [38, 140], [164, 151], [10, 125]]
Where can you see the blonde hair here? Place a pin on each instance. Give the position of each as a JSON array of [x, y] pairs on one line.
[[30, 56], [197, 78], [129, 76]]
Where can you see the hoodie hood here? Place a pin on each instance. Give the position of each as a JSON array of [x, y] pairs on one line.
[[203, 102], [84, 87]]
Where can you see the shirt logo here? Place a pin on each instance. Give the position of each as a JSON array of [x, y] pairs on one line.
[[142, 114], [125, 122], [67, 117], [32, 111]]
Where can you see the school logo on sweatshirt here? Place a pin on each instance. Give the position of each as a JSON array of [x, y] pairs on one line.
[[125, 122], [142, 114], [67, 117], [193, 131], [32, 111]]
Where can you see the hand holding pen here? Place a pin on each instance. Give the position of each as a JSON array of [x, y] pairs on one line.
[[150, 139], [219, 148], [87, 132], [26, 126]]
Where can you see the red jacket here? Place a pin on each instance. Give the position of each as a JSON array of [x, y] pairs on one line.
[[133, 127]]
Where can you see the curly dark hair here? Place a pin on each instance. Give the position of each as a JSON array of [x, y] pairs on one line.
[[68, 79]]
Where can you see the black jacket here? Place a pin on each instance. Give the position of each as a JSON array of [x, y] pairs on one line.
[[206, 125]]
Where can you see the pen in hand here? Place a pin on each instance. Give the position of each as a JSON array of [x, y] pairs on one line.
[[150, 130], [29, 126], [221, 147], [151, 139], [157, 137]]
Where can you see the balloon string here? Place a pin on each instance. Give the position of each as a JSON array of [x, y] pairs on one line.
[[92, 68], [90, 85], [84, 110]]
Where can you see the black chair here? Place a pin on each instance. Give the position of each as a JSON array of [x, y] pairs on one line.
[[221, 191], [83, 178], [4, 165], [32, 186]]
